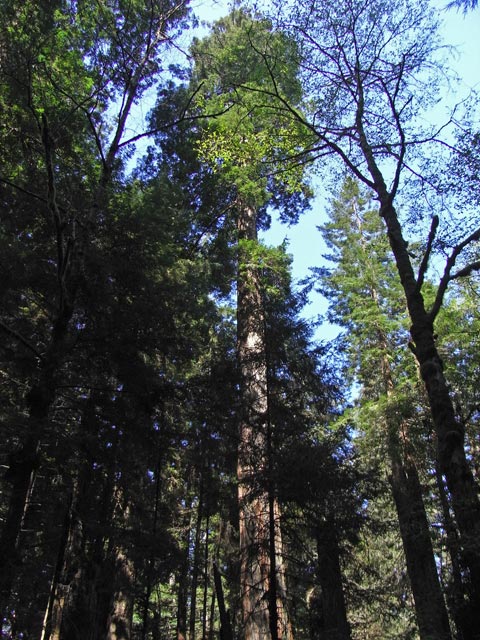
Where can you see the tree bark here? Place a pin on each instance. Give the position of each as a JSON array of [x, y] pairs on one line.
[[182, 592], [196, 562], [119, 625], [430, 610], [252, 470], [460, 608]]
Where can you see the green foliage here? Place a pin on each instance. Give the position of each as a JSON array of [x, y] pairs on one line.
[[247, 137]]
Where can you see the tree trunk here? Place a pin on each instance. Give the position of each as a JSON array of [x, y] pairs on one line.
[[182, 592], [119, 625], [24, 463], [196, 563], [460, 608], [225, 627], [333, 614], [450, 434], [430, 611], [205, 575], [252, 452]]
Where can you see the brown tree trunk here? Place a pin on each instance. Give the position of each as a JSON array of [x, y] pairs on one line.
[[256, 577]]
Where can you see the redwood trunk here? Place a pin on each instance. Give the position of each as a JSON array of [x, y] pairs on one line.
[[258, 578]]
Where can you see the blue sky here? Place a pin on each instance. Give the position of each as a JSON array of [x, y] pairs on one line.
[[304, 240]]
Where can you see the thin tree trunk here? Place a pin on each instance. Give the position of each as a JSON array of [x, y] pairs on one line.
[[182, 592], [225, 627], [205, 576], [196, 562], [211, 622], [150, 565]]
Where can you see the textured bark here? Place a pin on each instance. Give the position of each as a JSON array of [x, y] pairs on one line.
[[252, 467], [461, 609], [258, 579], [430, 610]]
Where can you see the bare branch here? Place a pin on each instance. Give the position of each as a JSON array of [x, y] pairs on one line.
[[20, 338], [447, 274], [466, 271], [426, 257]]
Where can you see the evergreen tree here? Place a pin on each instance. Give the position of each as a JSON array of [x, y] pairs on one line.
[[365, 299]]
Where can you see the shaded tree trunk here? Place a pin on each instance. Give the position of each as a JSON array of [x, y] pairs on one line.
[[460, 607], [196, 562], [225, 626], [182, 592], [430, 608], [333, 614], [119, 624]]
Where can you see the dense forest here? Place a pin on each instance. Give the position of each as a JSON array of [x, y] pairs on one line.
[[183, 455]]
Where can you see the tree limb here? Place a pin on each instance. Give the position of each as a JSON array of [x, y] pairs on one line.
[[426, 257], [447, 274], [21, 339]]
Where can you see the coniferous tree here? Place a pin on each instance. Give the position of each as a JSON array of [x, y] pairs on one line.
[[364, 299]]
